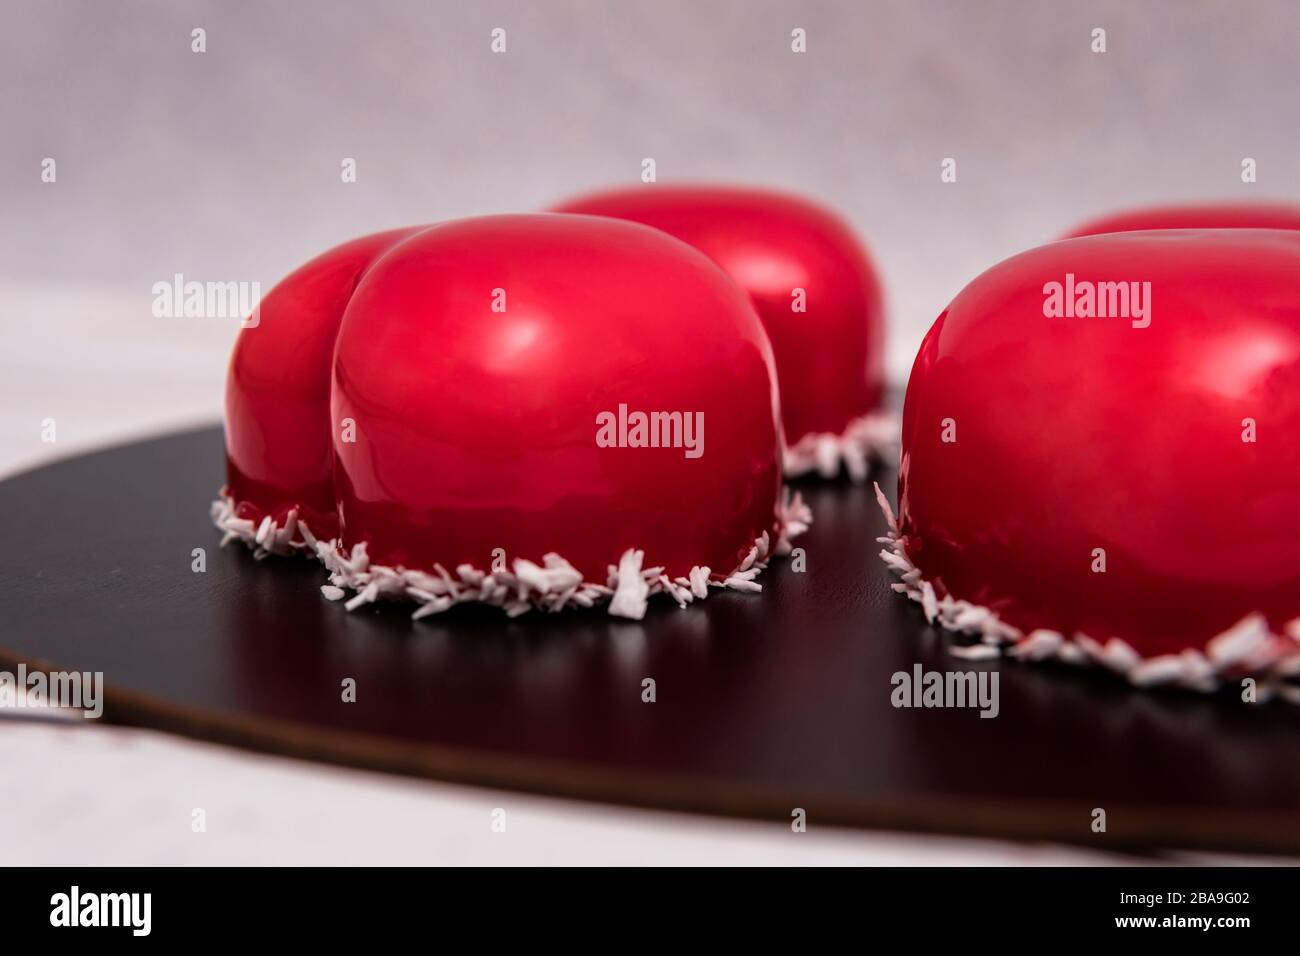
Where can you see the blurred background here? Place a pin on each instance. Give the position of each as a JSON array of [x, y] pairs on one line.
[[225, 165]]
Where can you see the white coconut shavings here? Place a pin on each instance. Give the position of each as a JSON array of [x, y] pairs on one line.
[[974, 652], [630, 587], [870, 438], [553, 585], [1247, 649], [265, 538]]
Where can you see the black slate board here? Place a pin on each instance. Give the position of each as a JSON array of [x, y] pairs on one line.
[[764, 702]]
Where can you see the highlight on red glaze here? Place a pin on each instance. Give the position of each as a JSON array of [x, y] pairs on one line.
[[1220, 215], [829, 358], [278, 447], [440, 390], [1116, 476]]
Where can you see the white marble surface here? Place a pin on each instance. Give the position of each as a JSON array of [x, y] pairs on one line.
[[225, 166], [99, 796]]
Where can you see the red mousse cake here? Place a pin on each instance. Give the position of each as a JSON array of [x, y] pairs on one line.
[[817, 292], [1211, 215], [527, 411], [1101, 459]]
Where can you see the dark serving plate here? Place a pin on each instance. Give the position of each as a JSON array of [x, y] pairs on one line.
[[764, 703]]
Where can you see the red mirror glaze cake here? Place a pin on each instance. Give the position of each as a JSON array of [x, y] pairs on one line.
[[529, 411], [279, 456], [1101, 457], [818, 295], [1214, 215]]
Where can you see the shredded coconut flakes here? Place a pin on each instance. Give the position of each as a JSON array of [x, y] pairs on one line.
[[870, 438], [1248, 648], [553, 585]]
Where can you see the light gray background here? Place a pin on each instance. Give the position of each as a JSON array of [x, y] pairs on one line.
[[225, 166]]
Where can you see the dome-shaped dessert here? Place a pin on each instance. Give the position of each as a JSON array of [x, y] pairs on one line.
[[1210, 215], [1101, 457], [531, 411], [279, 453], [817, 292]]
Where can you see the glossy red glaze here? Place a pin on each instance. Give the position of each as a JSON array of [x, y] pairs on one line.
[[475, 429], [1221, 215], [278, 450], [1083, 433], [829, 358]]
